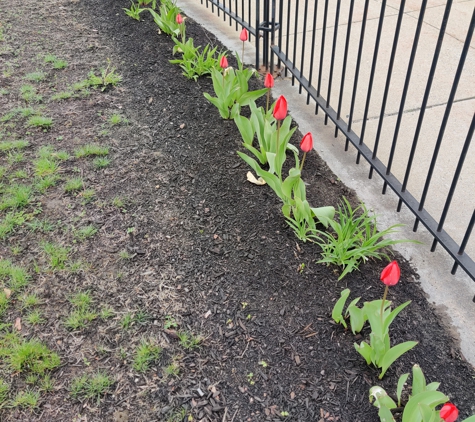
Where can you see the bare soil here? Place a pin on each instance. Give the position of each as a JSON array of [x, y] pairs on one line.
[[182, 235]]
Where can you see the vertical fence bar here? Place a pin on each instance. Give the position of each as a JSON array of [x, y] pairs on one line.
[[466, 237], [281, 14], [288, 35], [322, 52], [332, 62], [455, 179], [272, 37], [450, 101], [312, 53], [371, 77], [345, 59], [249, 9], [236, 6], [357, 70], [265, 35], [424, 101], [257, 30], [295, 39], [303, 41], [388, 83]]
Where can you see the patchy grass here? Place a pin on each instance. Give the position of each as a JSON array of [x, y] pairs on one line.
[[93, 386], [147, 353], [91, 150]]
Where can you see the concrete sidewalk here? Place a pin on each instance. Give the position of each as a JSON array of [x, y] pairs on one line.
[[451, 293]]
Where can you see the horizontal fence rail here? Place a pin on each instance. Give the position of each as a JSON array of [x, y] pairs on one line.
[[347, 57]]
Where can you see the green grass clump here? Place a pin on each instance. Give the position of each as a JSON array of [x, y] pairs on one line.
[[40, 121], [10, 222], [82, 313], [4, 389], [45, 167], [13, 145], [73, 184], [27, 355], [146, 354], [188, 341], [63, 95], [117, 119], [16, 196], [34, 317], [28, 93], [107, 77], [85, 233], [91, 149], [58, 255], [43, 183], [26, 399], [60, 64], [101, 162], [37, 76], [4, 301], [90, 386]]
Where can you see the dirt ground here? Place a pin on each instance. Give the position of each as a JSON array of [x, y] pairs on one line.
[[182, 244]]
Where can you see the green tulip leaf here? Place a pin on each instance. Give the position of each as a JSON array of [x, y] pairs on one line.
[[427, 413], [337, 312], [324, 214], [385, 415], [433, 386], [431, 398], [365, 350], [470, 419], [418, 380], [357, 318], [381, 398], [393, 354], [245, 128], [400, 386]]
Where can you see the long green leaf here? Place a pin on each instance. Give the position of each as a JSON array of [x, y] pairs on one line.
[[400, 386], [393, 354], [431, 398]]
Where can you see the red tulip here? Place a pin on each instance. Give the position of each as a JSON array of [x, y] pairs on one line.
[[280, 108], [391, 274], [223, 62], [179, 19], [269, 81], [243, 36], [306, 144], [449, 413]]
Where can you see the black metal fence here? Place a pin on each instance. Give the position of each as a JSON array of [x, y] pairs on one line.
[[347, 57]]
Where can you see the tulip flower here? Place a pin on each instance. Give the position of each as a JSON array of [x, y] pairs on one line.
[[449, 413], [390, 277], [243, 38], [306, 145], [268, 83], [391, 274], [223, 63], [179, 19], [280, 108]]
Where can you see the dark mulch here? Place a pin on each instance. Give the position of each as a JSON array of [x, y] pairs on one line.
[[207, 248]]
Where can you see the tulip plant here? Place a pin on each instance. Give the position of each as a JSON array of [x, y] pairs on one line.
[[232, 89], [422, 403], [166, 17], [379, 315]]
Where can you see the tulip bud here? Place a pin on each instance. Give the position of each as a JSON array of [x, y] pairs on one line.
[[243, 36], [179, 19], [280, 108], [269, 81], [223, 62], [449, 413], [306, 144], [391, 274]]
